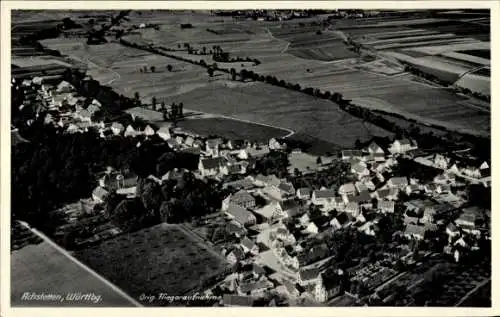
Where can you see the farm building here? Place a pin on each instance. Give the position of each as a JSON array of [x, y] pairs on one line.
[[240, 215]]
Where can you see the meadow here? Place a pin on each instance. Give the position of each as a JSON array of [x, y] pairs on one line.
[[42, 268], [159, 259]]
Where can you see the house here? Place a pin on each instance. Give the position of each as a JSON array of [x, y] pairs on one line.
[[99, 194], [249, 246], [374, 148], [368, 229], [189, 141], [351, 154], [212, 147], [443, 189], [441, 161], [311, 228], [149, 131], [383, 194], [258, 151], [290, 208], [386, 206], [263, 181], [287, 190], [322, 197], [65, 87], [341, 221], [255, 289], [309, 276], [352, 208], [304, 193], [236, 255], [398, 182], [363, 198], [241, 215], [414, 232], [402, 146], [466, 220], [313, 254], [164, 133], [274, 144], [284, 235], [237, 301], [360, 170], [245, 183], [212, 166], [412, 189], [130, 131], [347, 189], [117, 128], [452, 231], [243, 199], [235, 144]]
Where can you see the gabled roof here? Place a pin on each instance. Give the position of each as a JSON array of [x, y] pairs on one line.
[[238, 253], [309, 274], [100, 192], [325, 193], [117, 125], [240, 214], [351, 153], [286, 187], [212, 163], [451, 226], [213, 143], [241, 196], [247, 243], [313, 254], [363, 196], [352, 206], [343, 218], [415, 230], [349, 187], [304, 191], [236, 300], [399, 181], [374, 147], [386, 204]]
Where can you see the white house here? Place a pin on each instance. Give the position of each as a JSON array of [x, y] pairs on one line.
[[304, 193], [65, 87], [213, 166], [148, 131], [402, 146], [117, 128], [164, 133], [347, 189], [322, 197], [130, 131]]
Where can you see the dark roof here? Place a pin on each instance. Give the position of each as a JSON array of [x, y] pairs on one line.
[[304, 191], [309, 274], [249, 244], [238, 253], [236, 300], [364, 196], [289, 204], [382, 193], [241, 196], [352, 153], [286, 187], [326, 193], [343, 218], [212, 163], [414, 229], [240, 214], [314, 254]]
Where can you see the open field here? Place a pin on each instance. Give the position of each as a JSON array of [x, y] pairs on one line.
[[280, 107], [231, 129], [160, 259], [353, 78], [43, 268]]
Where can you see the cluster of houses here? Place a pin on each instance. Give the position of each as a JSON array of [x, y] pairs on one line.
[[374, 190]]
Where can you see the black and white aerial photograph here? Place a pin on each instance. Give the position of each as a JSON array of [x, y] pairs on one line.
[[250, 158]]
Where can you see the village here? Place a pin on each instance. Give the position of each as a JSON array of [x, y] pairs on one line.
[[350, 229]]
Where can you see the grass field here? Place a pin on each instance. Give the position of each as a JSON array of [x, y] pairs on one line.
[[41, 268], [160, 259], [232, 129]]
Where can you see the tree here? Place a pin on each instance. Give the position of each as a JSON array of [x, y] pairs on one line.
[[153, 68], [137, 98], [181, 109], [318, 160], [169, 67], [153, 103], [162, 107], [357, 143], [233, 73], [145, 69], [210, 71]]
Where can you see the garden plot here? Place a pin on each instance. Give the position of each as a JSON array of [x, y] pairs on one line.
[[160, 259]]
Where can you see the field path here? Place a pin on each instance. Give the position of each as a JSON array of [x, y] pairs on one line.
[[80, 264]]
